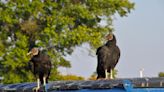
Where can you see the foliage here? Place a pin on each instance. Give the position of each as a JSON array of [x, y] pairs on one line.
[[57, 26], [70, 77], [114, 73], [161, 74], [93, 76]]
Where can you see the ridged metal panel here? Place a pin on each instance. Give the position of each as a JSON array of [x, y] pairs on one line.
[[116, 85]]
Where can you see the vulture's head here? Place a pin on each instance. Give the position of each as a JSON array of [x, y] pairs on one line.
[[111, 38], [33, 52]]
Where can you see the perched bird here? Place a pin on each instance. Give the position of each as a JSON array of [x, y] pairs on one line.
[[108, 56], [40, 65]]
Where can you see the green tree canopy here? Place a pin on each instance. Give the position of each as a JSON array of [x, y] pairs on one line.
[[161, 74], [57, 26]]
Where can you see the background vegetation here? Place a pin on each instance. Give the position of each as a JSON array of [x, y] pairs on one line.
[[161, 74], [56, 26]]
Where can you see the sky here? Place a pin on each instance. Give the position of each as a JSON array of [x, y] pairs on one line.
[[140, 37]]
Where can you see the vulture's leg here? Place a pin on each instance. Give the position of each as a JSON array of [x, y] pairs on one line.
[[111, 73], [44, 81], [38, 85], [44, 84], [106, 74]]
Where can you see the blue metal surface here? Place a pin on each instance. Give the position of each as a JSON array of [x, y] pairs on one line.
[[116, 90], [128, 86], [94, 90], [116, 85], [148, 90]]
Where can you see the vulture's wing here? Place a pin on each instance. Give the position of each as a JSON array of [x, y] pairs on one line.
[[116, 55], [31, 66], [103, 54]]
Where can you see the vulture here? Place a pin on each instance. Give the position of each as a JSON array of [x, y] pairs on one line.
[[40, 65], [108, 56]]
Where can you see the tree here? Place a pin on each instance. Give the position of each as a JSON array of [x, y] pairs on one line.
[[161, 74], [71, 77], [57, 26], [114, 73], [93, 76]]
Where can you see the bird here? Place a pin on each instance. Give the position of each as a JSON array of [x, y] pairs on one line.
[[40, 65], [107, 56]]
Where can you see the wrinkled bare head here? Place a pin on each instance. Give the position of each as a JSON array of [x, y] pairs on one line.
[[34, 51], [109, 36], [111, 39]]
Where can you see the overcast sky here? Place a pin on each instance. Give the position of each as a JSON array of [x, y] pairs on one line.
[[140, 37]]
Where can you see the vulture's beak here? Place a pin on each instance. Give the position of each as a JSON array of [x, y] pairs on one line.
[[29, 53]]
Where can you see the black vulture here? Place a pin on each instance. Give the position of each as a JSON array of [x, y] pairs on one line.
[[108, 56], [40, 65]]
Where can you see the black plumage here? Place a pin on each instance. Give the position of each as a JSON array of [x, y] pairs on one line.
[[108, 56], [40, 65]]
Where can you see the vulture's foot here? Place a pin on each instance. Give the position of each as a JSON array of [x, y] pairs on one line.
[[42, 89], [36, 89]]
